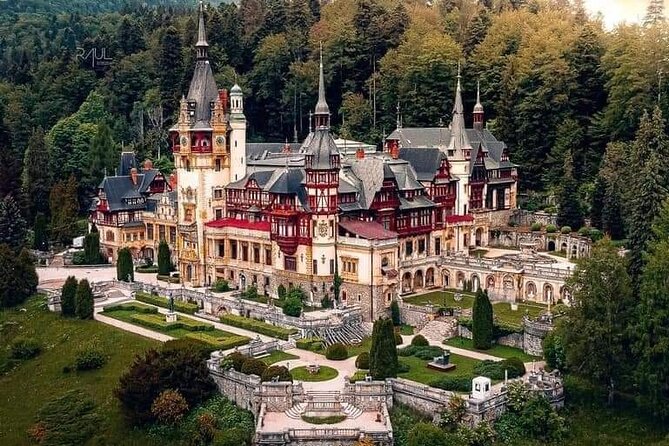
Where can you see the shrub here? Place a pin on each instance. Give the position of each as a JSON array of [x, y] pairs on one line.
[[251, 292], [554, 352], [68, 300], [419, 341], [326, 302], [84, 298], [395, 313], [79, 258], [336, 352], [254, 366], [159, 323], [453, 383], [276, 371], [124, 270], [218, 342], [68, 419], [89, 358], [398, 339], [566, 230], [292, 306], [551, 229], [311, 344], [238, 360], [281, 292], [362, 361], [134, 307], [25, 348], [147, 269], [149, 375], [402, 367], [482, 321], [202, 348], [421, 352], [514, 366], [495, 370], [596, 235], [258, 326], [169, 407], [164, 258], [221, 286], [584, 231], [182, 307], [231, 437], [167, 278], [535, 227], [383, 353]]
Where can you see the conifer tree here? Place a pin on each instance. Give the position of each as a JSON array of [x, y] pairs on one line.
[[169, 68], [569, 211], [18, 279], [84, 298], [124, 268], [102, 157], [65, 207], [654, 13], [36, 176], [164, 258], [383, 361], [92, 247], [41, 238], [12, 225], [482, 321], [68, 297], [612, 214], [598, 194], [10, 164], [130, 36]]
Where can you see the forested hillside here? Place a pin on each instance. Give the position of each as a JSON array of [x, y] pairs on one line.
[[98, 76]]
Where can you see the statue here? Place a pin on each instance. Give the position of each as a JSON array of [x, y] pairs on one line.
[[171, 303]]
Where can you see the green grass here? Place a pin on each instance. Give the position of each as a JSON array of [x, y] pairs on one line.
[[419, 372], [406, 330], [501, 351], [359, 375], [364, 346], [278, 356], [325, 373], [502, 312], [332, 419], [24, 390], [257, 326], [442, 299], [213, 336]]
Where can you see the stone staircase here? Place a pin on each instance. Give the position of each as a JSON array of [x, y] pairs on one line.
[[346, 334], [438, 330], [351, 411], [296, 412]]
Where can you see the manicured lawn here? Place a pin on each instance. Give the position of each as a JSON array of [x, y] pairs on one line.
[[501, 351], [406, 330], [25, 389], [211, 336], [419, 372], [442, 298], [364, 346], [502, 312], [277, 356], [325, 373]]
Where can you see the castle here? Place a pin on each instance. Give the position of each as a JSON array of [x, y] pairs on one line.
[[266, 215]]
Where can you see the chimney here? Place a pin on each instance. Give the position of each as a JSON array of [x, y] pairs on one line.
[[223, 96], [173, 181], [133, 175], [360, 153]]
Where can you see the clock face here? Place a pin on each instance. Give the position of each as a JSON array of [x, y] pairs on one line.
[[323, 229], [220, 140], [184, 141]]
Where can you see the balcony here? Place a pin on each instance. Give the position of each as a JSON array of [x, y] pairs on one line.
[[288, 244]]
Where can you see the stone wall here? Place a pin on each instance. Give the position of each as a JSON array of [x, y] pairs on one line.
[[414, 315], [236, 386], [515, 340], [368, 395], [421, 397], [526, 218]]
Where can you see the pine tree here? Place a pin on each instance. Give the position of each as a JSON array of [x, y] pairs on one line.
[[598, 195], [124, 268], [482, 321], [68, 299], [597, 341], [654, 13], [26, 276], [41, 239], [10, 164], [477, 31], [164, 258], [13, 227], [569, 136], [65, 208], [84, 298], [612, 214], [383, 361], [92, 247], [102, 157], [169, 68], [652, 327], [18, 279], [569, 211], [130, 36], [395, 313], [36, 176]]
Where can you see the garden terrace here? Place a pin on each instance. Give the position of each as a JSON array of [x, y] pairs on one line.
[[258, 326]]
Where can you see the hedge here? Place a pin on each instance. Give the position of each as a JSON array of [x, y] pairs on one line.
[[138, 308], [223, 343], [257, 326], [183, 307], [158, 322], [421, 352], [169, 279], [146, 269], [362, 361], [453, 383], [495, 370], [311, 344], [336, 352]]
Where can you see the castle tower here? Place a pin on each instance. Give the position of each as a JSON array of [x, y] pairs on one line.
[[322, 163], [478, 110], [237, 134], [201, 158]]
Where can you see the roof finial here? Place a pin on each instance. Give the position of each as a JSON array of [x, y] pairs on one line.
[[398, 122], [322, 111], [311, 122], [478, 91], [201, 45]]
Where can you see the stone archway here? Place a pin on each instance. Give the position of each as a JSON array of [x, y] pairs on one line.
[[429, 277], [574, 251], [406, 283], [531, 290], [478, 237], [563, 247], [551, 245], [460, 279], [548, 293], [476, 282], [418, 281], [445, 278], [490, 282], [242, 282], [189, 273]]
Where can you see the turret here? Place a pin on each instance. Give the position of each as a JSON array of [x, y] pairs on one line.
[[322, 111], [478, 110], [201, 46], [237, 134]]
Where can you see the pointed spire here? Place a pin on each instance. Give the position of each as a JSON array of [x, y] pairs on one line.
[[322, 111], [478, 109], [201, 46], [459, 139], [398, 118], [458, 107]]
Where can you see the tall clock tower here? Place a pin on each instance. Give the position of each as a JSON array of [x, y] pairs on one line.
[[202, 157], [322, 163]]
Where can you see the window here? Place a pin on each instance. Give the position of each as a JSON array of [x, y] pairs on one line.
[[173, 234], [437, 246], [218, 193], [219, 213], [245, 252], [233, 249], [221, 249], [332, 266], [149, 231], [161, 232], [314, 266], [408, 248], [421, 246], [218, 165], [290, 263], [268, 256], [256, 254]]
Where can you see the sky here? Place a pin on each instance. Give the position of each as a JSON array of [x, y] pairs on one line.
[[616, 11]]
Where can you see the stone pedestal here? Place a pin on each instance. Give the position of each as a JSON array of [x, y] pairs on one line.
[[170, 317]]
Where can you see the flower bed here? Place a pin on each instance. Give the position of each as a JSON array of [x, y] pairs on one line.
[[223, 343], [257, 326], [183, 307]]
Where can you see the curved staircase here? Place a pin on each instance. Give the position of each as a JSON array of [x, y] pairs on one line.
[[351, 411]]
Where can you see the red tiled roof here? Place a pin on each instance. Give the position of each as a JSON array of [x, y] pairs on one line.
[[241, 224], [367, 229], [459, 218]]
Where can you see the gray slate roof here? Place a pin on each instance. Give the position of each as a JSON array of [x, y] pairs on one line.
[[321, 145], [425, 162], [203, 91]]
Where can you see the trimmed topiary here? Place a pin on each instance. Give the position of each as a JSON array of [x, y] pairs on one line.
[[395, 313], [362, 361], [566, 230], [551, 229], [254, 366], [238, 360], [336, 352], [535, 227], [276, 371], [383, 361], [419, 341], [482, 321], [89, 358]]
